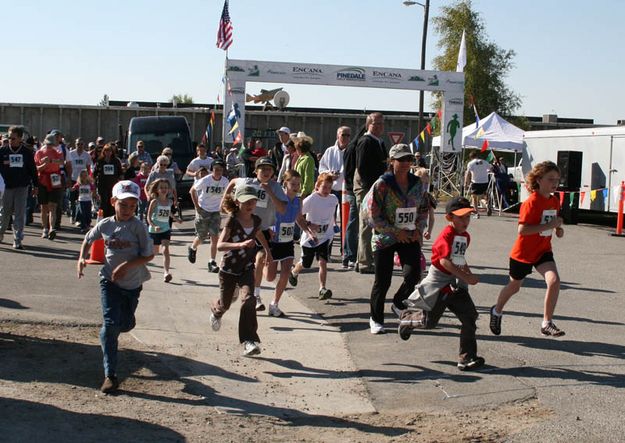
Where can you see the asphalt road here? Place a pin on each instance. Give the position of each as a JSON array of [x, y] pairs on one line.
[[580, 376]]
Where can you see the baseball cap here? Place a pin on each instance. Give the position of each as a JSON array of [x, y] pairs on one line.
[[458, 206], [245, 193], [55, 132], [285, 130], [399, 151], [126, 189], [218, 163], [91, 145], [50, 139], [264, 161]]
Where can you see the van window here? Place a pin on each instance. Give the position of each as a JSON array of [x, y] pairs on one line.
[[156, 141]]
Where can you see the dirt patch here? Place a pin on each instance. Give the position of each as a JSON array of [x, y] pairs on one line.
[[50, 374]]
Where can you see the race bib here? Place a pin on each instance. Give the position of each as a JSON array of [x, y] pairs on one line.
[[548, 215], [458, 248], [16, 160], [55, 180], [405, 218], [286, 232], [262, 198], [85, 190], [321, 229], [79, 162], [162, 213], [109, 169], [214, 190]]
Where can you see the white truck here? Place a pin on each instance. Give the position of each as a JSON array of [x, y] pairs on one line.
[[602, 161]]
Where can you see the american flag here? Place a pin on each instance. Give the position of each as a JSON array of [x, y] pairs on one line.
[[224, 33]]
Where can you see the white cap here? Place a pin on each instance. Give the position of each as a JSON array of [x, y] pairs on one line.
[[285, 130], [126, 189]]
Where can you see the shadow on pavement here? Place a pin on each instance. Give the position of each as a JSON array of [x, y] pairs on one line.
[[25, 421], [10, 304]]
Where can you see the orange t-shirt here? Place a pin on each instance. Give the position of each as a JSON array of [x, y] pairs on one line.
[[50, 176], [536, 210]]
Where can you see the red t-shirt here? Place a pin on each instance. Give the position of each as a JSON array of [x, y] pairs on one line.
[[451, 245], [140, 180], [534, 211], [50, 176]]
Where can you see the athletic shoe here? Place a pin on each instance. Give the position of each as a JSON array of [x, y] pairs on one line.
[[471, 363], [345, 265], [77, 223], [274, 311], [397, 311], [52, 235], [376, 328], [259, 303], [215, 322], [18, 245], [551, 330], [110, 384], [1, 237], [250, 348], [212, 267], [406, 326], [293, 279], [489, 211], [495, 321], [366, 271], [476, 216], [167, 278], [324, 294], [352, 265], [191, 254], [44, 233]]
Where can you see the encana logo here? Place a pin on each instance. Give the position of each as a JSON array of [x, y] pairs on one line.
[[306, 70], [351, 74]]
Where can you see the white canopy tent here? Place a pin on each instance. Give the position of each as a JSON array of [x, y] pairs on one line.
[[501, 135]]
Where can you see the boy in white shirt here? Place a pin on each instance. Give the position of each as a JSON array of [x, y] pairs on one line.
[[206, 193], [320, 211]]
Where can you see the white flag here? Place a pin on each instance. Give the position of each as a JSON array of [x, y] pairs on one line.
[[462, 55]]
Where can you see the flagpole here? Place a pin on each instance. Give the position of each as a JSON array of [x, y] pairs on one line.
[[223, 101]]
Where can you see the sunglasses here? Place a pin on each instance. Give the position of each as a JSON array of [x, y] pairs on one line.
[[346, 135], [405, 159]]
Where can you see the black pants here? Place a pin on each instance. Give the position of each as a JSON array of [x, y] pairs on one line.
[[459, 302], [410, 258]]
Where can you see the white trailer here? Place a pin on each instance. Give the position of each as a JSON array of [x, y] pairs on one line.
[[603, 160]]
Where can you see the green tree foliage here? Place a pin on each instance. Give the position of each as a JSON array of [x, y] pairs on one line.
[[487, 64], [182, 99]]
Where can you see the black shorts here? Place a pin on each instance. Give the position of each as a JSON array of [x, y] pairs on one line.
[[158, 237], [479, 188], [282, 251], [319, 251], [520, 270], [266, 233], [44, 196]]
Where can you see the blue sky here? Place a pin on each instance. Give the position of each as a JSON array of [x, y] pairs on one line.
[[569, 52]]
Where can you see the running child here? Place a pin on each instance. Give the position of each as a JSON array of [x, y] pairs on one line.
[[206, 194], [538, 218], [320, 210], [271, 200], [128, 249], [446, 286], [85, 189], [141, 179], [238, 242], [282, 244], [159, 213]]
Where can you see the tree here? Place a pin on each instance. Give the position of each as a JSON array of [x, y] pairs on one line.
[[183, 99], [487, 64]]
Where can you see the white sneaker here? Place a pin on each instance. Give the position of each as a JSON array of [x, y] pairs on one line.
[[260, 306], [275, 311], [250, 348], [215, 322], [376, 328]]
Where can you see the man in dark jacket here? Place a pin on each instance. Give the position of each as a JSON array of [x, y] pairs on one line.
[[278, 152], [17, 166], [371, 163]]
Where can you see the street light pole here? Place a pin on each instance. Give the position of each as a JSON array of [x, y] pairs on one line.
[[426, 8]]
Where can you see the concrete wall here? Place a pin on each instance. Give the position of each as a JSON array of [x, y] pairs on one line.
[[111, 122]]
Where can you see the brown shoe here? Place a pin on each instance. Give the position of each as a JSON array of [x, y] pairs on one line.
[[110, 384]]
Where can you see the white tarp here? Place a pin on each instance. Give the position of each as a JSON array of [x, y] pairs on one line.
[[501, 135]]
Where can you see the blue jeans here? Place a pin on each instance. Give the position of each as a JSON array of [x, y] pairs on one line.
[[142, 209], [350, 247], [83, 214], [118, 312]]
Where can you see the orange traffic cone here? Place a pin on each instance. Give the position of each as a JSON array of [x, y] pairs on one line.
[[96, 255]]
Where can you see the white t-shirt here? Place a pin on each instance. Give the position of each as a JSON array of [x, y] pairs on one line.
[[197, 163], [85, 192], [479, 170], [79, 162], [210, 191], [320, 211]]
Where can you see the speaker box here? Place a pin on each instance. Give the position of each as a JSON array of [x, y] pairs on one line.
[[570, 164]]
